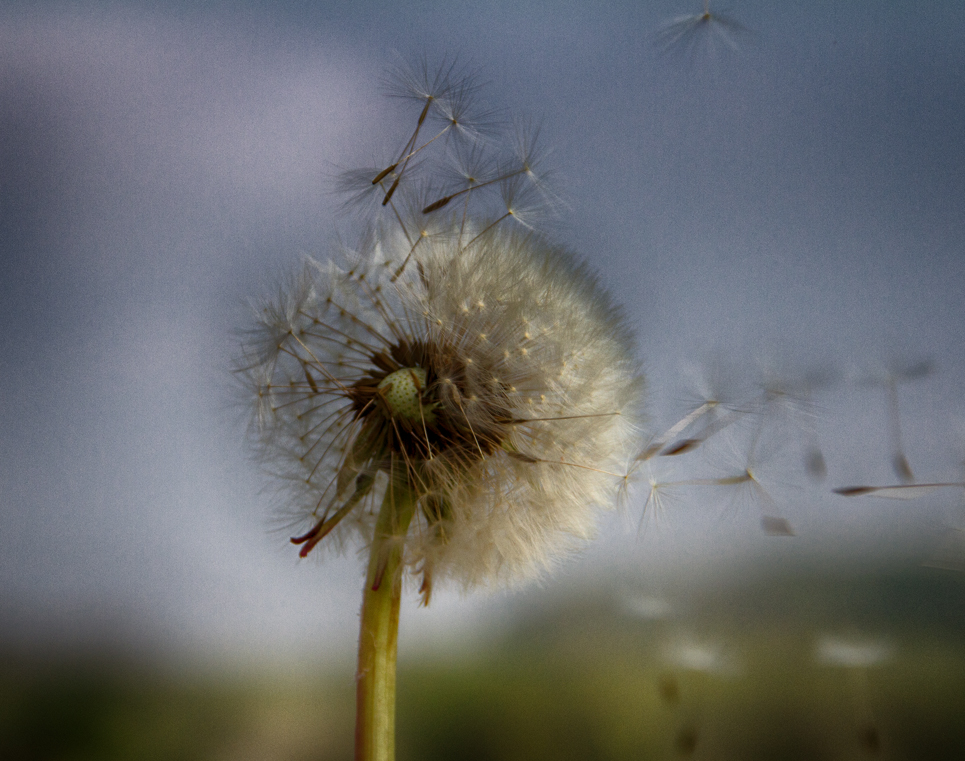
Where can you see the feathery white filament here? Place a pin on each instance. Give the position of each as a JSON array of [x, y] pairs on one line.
[[455, 349]]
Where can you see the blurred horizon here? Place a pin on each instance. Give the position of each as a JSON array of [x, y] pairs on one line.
[[800, 661]]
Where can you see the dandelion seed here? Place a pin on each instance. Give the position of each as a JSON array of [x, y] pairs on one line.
[[899, 373], [791, 402], [711, 410], [749, 486], [654, 504], [897, 491], [695, 31], [675, 430]]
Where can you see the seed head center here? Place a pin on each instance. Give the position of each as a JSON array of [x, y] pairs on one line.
[[402, 392]]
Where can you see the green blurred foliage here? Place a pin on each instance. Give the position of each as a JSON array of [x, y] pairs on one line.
[[580, 679], [579, 676], [78, 707]]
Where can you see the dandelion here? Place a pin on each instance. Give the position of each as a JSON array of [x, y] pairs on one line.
[[493, 385], [456, 396]]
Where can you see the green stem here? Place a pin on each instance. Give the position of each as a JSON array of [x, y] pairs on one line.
[[378, 635]]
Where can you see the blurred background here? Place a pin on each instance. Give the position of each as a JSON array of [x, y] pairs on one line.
[[773, 190]]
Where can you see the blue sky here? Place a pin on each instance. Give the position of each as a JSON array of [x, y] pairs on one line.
[[788, 207]]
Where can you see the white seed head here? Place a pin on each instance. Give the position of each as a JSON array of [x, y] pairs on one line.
[[510, 451], [468, 356]]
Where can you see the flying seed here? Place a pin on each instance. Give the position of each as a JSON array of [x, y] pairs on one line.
[[436, 205], [383, 174]]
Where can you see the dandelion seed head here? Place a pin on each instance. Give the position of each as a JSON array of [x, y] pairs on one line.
[[504, 416], [451, 351]]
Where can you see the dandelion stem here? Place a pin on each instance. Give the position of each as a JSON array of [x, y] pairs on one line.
[[378, 635]]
